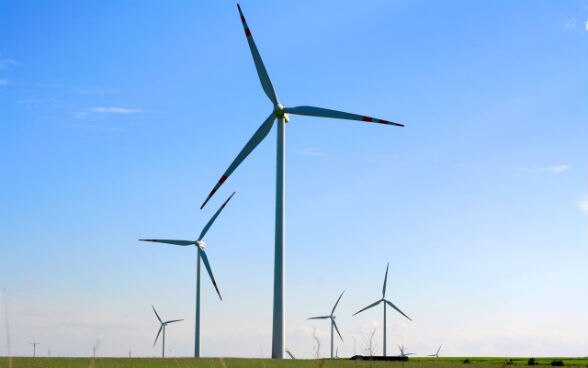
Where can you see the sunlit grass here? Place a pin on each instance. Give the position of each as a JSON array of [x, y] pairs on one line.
[[476, 362]]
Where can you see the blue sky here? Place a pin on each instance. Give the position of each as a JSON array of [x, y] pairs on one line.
[[117, 120]]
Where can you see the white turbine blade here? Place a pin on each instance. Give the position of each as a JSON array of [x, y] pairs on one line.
[[207, 265], [337, 329], [157, 315], [211, 221], [290, 353], [438, 350], [170, 241], [266, 83], [158, 332], [385, 280], [172, 321], [399, 311], [257, 137], [328, 113], [320, 317], [368, 307], [335, 306]]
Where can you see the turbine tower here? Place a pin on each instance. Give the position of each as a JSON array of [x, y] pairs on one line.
[[333, 324], [162, 328], [200, 245], [384, 301], [281, 114]]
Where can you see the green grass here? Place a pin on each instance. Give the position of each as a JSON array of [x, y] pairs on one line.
[[476, 362]]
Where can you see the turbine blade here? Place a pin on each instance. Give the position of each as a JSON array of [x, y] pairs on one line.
[[156, 315], [385, 280], [368, 307], [257, 137], [320, 317], [337, 329], [207, 265], [170, 241], [335, 306], [438, 350], [290, 353], [266, 83], [173, 320], [158, 332], [399, 311], [328, 113], [211, 221]]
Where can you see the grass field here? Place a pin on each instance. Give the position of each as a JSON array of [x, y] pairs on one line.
[[494, 362]]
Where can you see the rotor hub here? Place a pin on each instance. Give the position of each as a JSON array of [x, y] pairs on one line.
[[200, 244], [280, 113]]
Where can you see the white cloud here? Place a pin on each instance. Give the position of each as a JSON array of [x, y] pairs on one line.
[[5, 63], [3, 82], [114, 110], [583, 204], [586, 26], [558, 169], [554, 169]]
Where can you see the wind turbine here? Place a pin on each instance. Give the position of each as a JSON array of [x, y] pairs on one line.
[[436, 355], [333, 324], [34, 348], [279, 113], [402, 351], [200, 245], [162, 328], [384, 301]]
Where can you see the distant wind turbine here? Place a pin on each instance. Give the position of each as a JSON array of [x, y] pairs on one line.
[[403, 352], [200, 245], [162, 328], [34, 348], [333, 324], [436, 355], [385, 302], [279, 113]]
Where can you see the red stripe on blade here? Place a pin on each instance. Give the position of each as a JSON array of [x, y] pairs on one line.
[[247, 32], [367, 118]]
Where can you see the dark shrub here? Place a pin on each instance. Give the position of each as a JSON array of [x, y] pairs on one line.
[[467, 361], [531, 361], [557, 363]]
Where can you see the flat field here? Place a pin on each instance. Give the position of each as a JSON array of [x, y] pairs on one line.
[[476, 362]]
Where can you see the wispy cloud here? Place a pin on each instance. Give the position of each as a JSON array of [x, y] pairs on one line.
[[571, 23], [554, 169], [3, 82], [311, 152], [583, 204], [5, 63], [114, 110], [586, 26]]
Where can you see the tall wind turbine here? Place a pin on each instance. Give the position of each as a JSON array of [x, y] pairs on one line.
[[333, 324], [384, 301], [162, 328], [200, 245], [279, 113], [436, 355]]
